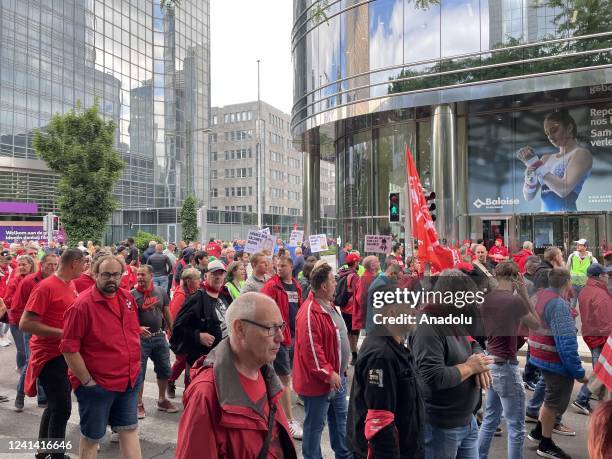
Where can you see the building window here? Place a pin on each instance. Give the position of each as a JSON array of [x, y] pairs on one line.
[[250, 207], [293, 211], [213, 174], [213, 155], [227, 192], [276, 210], [214, 192], [226, 118], [214, 120], [212, 138], [250, 191]]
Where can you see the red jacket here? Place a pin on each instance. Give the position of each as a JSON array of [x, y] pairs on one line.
[[603, 367], [520, 259], [219, 420], [361, 300], [275, 290], [595, 303], [317, 349], [11, 288], [21, 296]]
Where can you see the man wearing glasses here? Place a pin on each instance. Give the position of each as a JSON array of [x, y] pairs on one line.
[[104, 372], [232, 406]]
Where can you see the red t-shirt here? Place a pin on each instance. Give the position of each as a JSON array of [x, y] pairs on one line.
[[83, 282], [256, 391], [49, 300], [107, 335], [501, 313]]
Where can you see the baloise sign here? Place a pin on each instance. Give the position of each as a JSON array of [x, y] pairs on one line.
[[552, 158]]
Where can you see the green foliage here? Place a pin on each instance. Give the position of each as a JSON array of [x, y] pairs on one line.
[[576, 18], [189, 219], [79, 147], [142, 239]]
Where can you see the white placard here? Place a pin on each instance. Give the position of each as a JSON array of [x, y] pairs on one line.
[[297, 237], [378, 244], [255, 241], [331, 261], [318, 243]]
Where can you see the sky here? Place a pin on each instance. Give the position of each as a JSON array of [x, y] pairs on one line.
[[241, 32]]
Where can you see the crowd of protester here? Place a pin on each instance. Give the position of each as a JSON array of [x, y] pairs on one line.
[[254, 334]]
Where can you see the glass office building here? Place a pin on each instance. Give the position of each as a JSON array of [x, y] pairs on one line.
[[465, 84], [146, 67]]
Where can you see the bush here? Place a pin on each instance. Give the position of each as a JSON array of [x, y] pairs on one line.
[[142, 239]]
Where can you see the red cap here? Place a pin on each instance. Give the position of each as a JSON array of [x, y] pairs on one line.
[[499, 239], [352, 258], [608, 253], [467, 241]]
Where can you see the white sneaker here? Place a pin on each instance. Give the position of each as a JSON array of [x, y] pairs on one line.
[[4, 342], [114, 437], [296, 429]]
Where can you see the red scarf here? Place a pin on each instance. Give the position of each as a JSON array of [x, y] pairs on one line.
[[148, 300], [210, 288]]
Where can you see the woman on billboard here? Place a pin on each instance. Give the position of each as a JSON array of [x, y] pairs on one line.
[[560, 176]]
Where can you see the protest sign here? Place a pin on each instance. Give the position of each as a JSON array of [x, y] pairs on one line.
[[296, 238], [378, 244], [318, 243]]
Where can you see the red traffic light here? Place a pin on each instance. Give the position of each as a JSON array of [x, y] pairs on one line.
[[394, 197]]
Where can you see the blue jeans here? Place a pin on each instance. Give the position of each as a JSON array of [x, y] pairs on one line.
[[156, 348], [505, 396], [333, 406], [99, 407], [533, 407], [585, 393], [161, 281], [457, 442], [19, 344], [577, 289], [42, 398]]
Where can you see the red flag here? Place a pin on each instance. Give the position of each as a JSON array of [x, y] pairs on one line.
[[423, 229]]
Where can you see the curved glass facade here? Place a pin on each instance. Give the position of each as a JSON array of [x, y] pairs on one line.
[[373, 76], [148, 69]]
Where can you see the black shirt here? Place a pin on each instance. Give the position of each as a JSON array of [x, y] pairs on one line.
[[386, 379], [161, 264], [292, 294]]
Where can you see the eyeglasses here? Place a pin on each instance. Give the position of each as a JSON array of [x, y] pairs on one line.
[[273, 330], [107, 276]]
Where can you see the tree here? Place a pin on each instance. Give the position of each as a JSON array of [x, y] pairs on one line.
[[79, 147], [142, 239], [189, 219]]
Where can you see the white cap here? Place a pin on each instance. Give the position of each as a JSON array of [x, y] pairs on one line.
[[581, 242], [215, 266]]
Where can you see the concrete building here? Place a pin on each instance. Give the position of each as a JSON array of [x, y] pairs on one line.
[[148, 67], [465, 85], [233, 166]]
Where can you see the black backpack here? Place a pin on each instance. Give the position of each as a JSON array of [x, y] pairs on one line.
[[342, 295]]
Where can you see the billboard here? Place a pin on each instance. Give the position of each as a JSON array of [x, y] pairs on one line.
[[17, 233], [544, 156]]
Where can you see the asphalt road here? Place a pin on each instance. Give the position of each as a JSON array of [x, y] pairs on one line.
[[158, 430]]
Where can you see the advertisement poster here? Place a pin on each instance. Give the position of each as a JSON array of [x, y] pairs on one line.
[[10, 233], [546, 159], [318, 243], [296, 238], [378, 244]]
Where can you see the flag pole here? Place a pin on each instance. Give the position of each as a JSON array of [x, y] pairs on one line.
[[409, 244]]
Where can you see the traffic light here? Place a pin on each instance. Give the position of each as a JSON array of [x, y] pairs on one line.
[[394, 207], [431, 205]]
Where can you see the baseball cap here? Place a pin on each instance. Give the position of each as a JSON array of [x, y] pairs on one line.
[[582, 242], [352, 257], [597, 270], [215, 266], [608, 254]]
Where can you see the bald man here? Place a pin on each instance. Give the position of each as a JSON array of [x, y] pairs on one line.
[[237, 376]]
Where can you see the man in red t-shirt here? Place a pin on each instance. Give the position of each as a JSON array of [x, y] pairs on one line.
[[213, 248], [44, 319], [498, 252], [104, 372], [236, 380]]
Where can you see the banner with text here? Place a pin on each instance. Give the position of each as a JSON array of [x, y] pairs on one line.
[[318, 243], [378, 244]]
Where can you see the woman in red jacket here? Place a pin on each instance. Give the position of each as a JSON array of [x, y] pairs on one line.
[[25, 265]]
